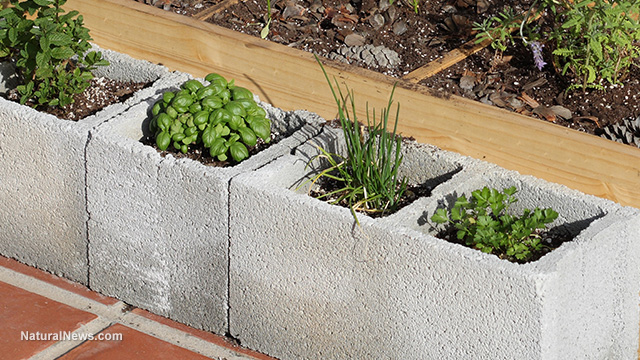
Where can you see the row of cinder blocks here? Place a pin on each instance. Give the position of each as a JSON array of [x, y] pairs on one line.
[[244, 250], [306, 282], [42, 174]]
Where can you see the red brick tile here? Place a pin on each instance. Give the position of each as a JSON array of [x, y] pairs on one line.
[[204, 335], [134, 345], [24, 311], [56, 280]]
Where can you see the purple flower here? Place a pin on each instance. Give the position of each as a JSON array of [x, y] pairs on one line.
[[536, 48]]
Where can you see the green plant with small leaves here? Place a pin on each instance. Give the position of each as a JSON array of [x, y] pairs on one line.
[[221, 117], [368, 174], [50, 51], [266, 28], [483, 222], [498, 29], [593, 42]]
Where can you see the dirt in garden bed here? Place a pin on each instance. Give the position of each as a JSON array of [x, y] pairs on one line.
[[101, 93], [511, 81], [325, 186], [352, 30], [390, 38]]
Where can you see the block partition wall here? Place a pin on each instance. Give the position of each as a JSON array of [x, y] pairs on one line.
[[42, 174], [307, 283], [158, 230]]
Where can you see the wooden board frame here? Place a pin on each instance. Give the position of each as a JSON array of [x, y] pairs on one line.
[[291, 79]]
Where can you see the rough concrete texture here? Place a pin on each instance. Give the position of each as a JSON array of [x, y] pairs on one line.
[[42, 176], [307, 283], [158, 226]]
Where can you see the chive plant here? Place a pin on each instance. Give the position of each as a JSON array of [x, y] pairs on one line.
[[368, 175]]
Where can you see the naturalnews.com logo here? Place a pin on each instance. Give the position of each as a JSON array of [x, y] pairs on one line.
[[68, 336]]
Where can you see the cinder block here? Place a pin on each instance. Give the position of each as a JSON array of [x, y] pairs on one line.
[[158, 226], [42, 176], [307, 283]]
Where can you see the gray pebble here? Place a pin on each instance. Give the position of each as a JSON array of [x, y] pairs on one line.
[[390, 14], [376, 21], [400, 28], [354, 40], [349, 8], [383, 5]]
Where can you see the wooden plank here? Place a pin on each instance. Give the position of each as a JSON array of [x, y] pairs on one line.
[[291, 79], [451, 58], [209, 12]]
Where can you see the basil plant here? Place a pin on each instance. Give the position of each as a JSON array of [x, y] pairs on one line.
[[220, 116]]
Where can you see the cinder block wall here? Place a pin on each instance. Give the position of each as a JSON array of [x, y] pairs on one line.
[[306, 282], [158, 226], [42, 175]]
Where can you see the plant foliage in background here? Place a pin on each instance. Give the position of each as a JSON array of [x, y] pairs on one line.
[[43, 47], [483, 222], [220, 116], [368, 175], [593, 42]]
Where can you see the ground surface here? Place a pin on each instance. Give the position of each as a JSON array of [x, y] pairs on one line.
[[394, 39]]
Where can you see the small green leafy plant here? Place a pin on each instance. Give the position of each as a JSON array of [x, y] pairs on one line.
[[265, 29], [43, 48], [368, 175], [593, 42], [483, 222], [220, 116]]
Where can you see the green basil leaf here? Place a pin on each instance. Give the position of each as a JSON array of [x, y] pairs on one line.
[[192, 85], [216, 78], [236, 122], [211, 102], [218, 147], [262, 128], [209, 136], [238, 151], [238, 93], [163, 140], [219, 116], [248, 136]]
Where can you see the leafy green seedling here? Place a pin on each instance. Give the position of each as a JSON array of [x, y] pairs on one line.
[[44, 48], [265, 30], [220, 116], [483, 222]]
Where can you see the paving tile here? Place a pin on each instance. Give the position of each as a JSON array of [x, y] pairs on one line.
[[56, 280], [204, 335], [133, 345], [25, 313]]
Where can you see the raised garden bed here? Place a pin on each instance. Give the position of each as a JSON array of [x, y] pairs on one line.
[[158, 235], [314, 284], [289, 78], [43, 188], [243, 250]]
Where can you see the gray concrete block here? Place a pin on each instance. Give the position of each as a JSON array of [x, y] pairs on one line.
[[158, 226], [307, 283], [42, 176]]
